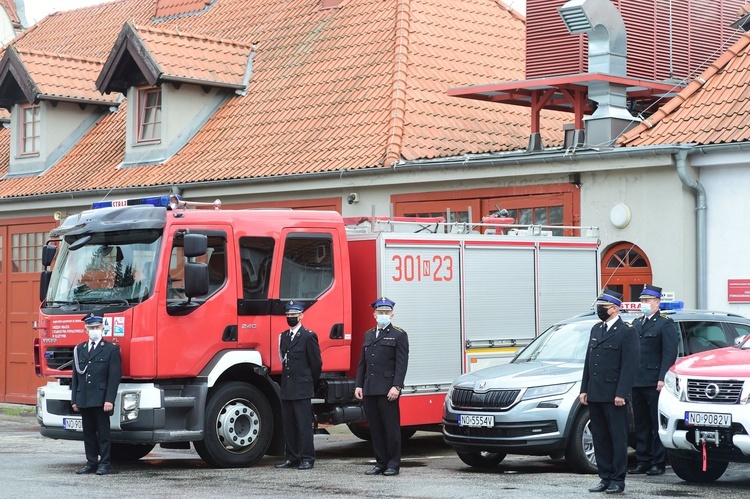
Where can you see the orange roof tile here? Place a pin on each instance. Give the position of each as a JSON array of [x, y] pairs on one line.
[[165, 8], [180, 56], [60, 77], [356, 87], [713, 108], [10, 9]]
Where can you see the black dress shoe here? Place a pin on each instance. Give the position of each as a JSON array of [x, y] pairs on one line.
[[375, 470], [287, 464], [103, 470], [655, 470], [601, 487], [640, 469], [615, 489], [305, 465], [390, 472], [86, 470]]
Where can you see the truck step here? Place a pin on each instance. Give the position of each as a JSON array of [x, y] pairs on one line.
[[179, 401]]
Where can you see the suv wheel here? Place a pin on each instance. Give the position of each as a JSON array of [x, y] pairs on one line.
[[580, 452], [690, 469], [481, 459]]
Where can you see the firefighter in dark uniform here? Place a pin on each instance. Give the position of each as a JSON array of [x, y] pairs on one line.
[[96, 376], [658, 335], [380, 379], [608, 375], [302, 364]]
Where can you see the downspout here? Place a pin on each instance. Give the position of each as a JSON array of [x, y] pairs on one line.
[[700, 225]]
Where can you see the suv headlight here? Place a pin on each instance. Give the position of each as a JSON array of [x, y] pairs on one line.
[[546, 391], [672, 384]]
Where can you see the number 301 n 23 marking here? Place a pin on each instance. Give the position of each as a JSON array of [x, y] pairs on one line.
[[416, 268]]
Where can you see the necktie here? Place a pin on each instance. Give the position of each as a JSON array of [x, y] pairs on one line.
[[291, 335], [377, 333], [91, 346]]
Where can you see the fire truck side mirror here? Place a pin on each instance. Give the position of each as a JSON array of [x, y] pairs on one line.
[[195, 245], [48, 254], [44, 284], [196, 279]]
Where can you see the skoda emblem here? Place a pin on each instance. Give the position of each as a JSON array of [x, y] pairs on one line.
[[712, 391], [482, 384]]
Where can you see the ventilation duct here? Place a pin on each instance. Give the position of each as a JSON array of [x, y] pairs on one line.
[[602, 22]]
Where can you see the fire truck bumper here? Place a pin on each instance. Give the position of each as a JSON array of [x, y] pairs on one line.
[[139, 415]]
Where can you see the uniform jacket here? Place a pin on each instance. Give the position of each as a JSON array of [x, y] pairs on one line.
[[102, 371], [383, 361], [611, 362], [658, 337], [302, 366]]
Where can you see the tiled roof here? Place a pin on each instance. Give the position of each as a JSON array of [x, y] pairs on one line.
[[10, 9], [165, 8], [355, 87], [59, 77], [714, 108], [181, 56]]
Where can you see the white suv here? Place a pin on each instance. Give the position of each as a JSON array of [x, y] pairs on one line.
[[704, 414]]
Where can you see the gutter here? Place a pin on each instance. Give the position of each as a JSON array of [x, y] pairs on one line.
[[681, 163]]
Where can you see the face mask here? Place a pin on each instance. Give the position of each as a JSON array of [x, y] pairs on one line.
[[292, 321], [602, 312], [646, 308], [94, 334], [383, 320]]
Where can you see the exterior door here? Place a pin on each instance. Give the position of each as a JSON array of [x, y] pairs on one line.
[[625, 268], [19, 300]]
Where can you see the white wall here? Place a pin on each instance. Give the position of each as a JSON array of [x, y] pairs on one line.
[[728, 202], [662, 224]]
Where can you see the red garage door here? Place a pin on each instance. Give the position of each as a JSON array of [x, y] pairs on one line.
[[20, 265]]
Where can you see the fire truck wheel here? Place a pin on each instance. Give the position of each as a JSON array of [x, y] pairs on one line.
[[580, 452], [123, 453], [238, 427], [481, 459], [360, 431], [690, 469]]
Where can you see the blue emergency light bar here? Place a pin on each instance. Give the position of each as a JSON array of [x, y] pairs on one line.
[[671, 305], [158, 201]]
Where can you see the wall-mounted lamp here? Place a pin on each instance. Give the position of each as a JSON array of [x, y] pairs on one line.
[[352, 198], [575, 179], [620, 215]]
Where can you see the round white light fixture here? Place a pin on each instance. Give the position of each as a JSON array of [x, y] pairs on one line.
[[620, 215]]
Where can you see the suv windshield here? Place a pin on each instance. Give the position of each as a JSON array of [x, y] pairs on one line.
[[560, 343], [113, 267]]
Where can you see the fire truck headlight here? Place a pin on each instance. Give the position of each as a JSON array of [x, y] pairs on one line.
[[130, 406], [672, 384]]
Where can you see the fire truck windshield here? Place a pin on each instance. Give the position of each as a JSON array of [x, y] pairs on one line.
[[112, 267]]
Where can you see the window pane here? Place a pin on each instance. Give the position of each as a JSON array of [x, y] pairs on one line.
[[556, 215], [307, 269], [525, 216], [540, 216]]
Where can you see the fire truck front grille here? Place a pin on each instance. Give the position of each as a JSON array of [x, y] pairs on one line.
[[492, 400], [59, 358], [506, 430], [714, 391]]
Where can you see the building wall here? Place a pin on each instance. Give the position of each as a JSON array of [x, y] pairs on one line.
[[728, 201], [662, 223]]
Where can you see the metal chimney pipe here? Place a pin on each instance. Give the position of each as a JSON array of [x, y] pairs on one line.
[[608, 44]]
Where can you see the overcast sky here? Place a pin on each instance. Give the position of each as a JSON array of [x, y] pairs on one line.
[[37, 9]]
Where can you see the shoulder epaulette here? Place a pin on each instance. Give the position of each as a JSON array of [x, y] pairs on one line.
[[398, 329], [665, 316]]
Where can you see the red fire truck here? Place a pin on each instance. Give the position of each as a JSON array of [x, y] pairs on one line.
[[195, 300]]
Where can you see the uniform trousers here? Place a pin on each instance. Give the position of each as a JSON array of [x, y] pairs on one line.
[[96, 435], [298, 431], [649, 450], [384, 418], [609, 430]]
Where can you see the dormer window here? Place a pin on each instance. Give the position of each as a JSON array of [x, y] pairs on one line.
[[149, 115], [30, 125]]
